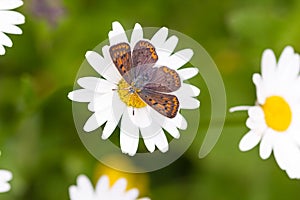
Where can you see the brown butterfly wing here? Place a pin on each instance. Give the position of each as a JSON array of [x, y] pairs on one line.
[[121, 56], [144, 54], [164, 79], [165, 104]]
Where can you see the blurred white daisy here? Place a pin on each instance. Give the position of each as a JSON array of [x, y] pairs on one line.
[[111, 104], [5, 177], [84, 190], [8, 21], [274, 120]]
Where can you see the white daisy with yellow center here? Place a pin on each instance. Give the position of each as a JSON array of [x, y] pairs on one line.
[[9, 21], [274, 120], [84, 190], [111, 102]]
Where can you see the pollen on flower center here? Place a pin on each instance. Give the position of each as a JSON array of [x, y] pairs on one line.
[[129, 95], [278, 113]]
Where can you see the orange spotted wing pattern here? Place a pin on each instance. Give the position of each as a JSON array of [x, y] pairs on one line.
[[144, 53], [150, 83], [165, 104], [121, 56]]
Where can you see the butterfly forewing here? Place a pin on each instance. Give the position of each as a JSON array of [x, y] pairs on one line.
[[121, 56], [144, 54], [164, 79], [165, 104]]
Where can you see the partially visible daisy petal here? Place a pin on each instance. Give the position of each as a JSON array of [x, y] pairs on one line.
[[155, 136], [189, 103], [5, 176], [159, 37], [140, 117], [10, 4], [81, 95], [179, 59], [187, 73], [129, 135], [250, 140], [137, 34], [265, 147], [96, 120], [291, 60], [117, 34]]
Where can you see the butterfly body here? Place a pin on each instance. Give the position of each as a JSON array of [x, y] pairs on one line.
[[152, 84]]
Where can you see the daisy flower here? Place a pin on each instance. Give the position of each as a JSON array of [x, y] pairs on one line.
[[8, 21], [274, 120], [113, 99], [84, 190]]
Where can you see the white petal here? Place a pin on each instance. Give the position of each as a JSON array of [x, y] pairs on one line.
[[137, 35], [250, 140], [179, 59], [239, 108], [160, 140], [179, 121], [257, 80], [10, 4], [12, 29], [117, 35], [165, 123], [81, 95], [256, 112], [2, 49], [104, 65], [281, 149], [5, 175], [268, 67], [131, 194], [129, 136], [165, 50], [119, 186], [188, 103], [11, 17], [139, 116], [115, 116], [159, 37], [83, 190], [5, 40], [98, 85], [154, 136], [187, 90], [265, 147], [102, 186], [170, 44], [293, 170], [4, 187], [96, 120], [187, 73], [101, 102], [288, 64]]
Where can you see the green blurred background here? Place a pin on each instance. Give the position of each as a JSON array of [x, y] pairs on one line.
[[38, 139]]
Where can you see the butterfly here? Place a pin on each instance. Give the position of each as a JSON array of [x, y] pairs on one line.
[[152, 84]]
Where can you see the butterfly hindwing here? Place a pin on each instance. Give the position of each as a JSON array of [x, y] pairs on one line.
[[165, 104], [164, 79], [144, 54], [121, 56]]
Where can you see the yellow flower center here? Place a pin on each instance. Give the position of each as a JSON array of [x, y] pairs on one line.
[[128, 94], [278, 114]]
